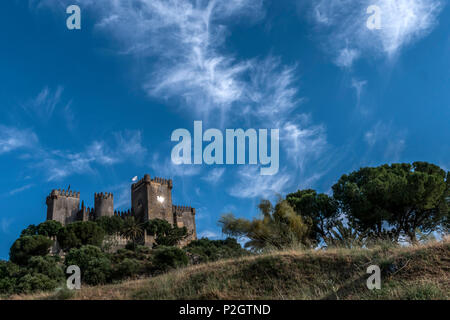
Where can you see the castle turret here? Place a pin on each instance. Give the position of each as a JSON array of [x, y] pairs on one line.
[[152, 199], [63, 206], [103, 205]]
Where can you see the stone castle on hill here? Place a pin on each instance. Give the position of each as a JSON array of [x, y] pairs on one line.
[[150, 199]]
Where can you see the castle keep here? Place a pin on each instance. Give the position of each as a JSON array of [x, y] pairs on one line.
[[150, 199]]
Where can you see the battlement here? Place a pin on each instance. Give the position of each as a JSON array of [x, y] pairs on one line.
[[124, 214], [148, 179], [181, 209], [64, 193], [101, 195], [163, 181]]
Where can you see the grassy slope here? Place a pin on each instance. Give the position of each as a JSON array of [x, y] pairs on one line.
[[407, 273]]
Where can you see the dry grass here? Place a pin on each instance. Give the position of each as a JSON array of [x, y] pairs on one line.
[[415, 272]]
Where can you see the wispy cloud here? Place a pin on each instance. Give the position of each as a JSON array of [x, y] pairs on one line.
[[343, 23], [385, 137], [126, 146], [251, 184], [44, 104], [21, 189], [12, 138], [214, 175], [5, 223]]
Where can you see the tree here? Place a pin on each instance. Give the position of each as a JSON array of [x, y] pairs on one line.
[[205, 250], [279, 227], [165, 234], [31, 230], [111, 225], [166, 258], [80, 233], [28, 246], [397, 198], [320, 210], [94, 264], [49, 228], [132, 229]]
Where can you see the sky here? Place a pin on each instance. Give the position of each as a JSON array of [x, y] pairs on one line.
[[95, 107]]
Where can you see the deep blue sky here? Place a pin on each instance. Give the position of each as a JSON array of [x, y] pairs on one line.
[[95, 107]]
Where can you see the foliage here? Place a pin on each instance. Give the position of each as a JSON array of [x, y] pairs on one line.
[[127, 268], [111, 225], [165, 234], [319, 210], [79, 234], [205, 250], [48, 265], [94, 264], [35, 282], [31, 230], [27, 246], [400, 198], [166, 258], [49, 228], [279, 227], [9, 272], [132, 229]]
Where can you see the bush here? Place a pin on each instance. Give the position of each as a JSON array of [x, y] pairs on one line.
[[128, 268], [205, 250], [35, 282], [31, 230], [48, 265], [49, 228], [9, 272], [26, 247], [79, 234], [166, 258], [165, 234], [111, 225], [94, 264]]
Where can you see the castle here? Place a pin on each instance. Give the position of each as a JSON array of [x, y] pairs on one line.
[[150, 199]]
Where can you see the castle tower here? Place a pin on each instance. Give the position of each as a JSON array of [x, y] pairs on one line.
[[63, 206], [152, 199], [103, 205], [184, 216]]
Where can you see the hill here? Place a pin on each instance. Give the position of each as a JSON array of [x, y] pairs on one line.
[[417, 272]]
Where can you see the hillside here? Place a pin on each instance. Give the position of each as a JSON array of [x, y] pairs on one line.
[[420, 272]]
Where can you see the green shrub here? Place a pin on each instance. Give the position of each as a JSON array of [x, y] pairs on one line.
[[31, 230], [35, 282], [27, 246], [48, 265], [111, 225], [94, 264], [205, 250], [165, 234], [166, 258], [128, 268], [9, 272], [79, 234], [49, 228]]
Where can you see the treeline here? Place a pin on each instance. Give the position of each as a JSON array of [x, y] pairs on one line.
[[88, 245], [388, 203]]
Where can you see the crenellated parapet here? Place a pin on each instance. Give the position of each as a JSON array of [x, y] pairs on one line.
[[148, 179], [105, 196], [64, 193], [124, 214], [182, 209]]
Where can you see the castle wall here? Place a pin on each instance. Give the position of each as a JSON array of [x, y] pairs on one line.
[[185, 217], [103, 205], [152, 199], [63, 206]]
